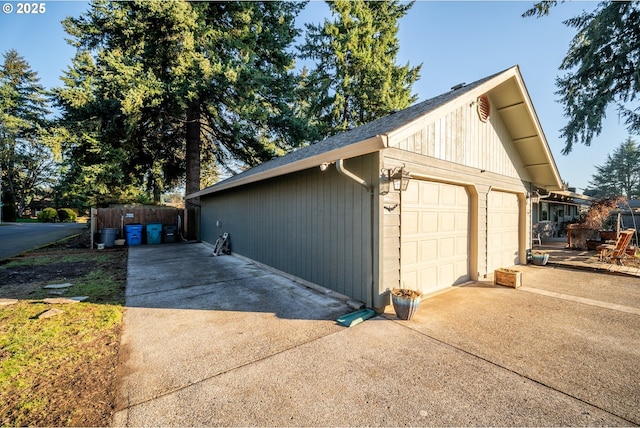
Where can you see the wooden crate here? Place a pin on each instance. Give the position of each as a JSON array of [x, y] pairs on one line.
[[507, 277]]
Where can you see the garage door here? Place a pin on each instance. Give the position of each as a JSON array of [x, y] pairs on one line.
[[434, 236], [502, 230]]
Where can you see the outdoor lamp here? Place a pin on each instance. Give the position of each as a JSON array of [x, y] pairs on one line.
[[396, 176], [400, 179]]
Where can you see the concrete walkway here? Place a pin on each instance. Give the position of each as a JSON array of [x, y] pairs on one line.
[[220, 342]]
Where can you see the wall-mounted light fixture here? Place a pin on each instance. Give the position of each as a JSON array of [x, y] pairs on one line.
[[398, 177]]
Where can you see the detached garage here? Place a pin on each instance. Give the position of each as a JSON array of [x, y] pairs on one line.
[[427, 198]]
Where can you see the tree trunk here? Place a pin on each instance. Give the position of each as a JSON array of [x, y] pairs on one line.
[[193, 147], [193, 169]]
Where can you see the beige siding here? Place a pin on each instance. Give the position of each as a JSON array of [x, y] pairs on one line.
[[460, 137], [479, 185]]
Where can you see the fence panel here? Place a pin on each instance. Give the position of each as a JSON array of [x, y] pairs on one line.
[[119, 216]]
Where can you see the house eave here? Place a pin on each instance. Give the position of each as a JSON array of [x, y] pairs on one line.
[[510, 98], [363, 147]]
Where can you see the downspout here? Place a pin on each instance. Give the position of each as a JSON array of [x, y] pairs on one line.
[[342, 170]]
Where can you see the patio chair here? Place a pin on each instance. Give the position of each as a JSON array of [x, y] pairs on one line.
[[535, 238], [616, 252]]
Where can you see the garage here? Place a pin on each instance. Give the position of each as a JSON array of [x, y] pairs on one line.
[[434, 236], [338, 214], [503, 216]]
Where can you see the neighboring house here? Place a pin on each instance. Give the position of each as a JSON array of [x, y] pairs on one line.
[[553, 211], [328, 214]]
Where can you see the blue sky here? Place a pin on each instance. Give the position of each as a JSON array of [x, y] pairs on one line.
[[455, 41]]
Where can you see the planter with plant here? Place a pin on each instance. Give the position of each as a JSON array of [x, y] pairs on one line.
[[405, 302], [539, 257], [507, 277]]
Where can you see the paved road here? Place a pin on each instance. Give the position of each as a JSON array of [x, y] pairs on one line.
[[16, 238]]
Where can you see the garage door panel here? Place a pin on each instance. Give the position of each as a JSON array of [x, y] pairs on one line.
[[410, 280], [410, 252], [447, 247], [447, 222], [411, 196], [441, 231], [429, 222], [429, 194], [411, 225], [429, 250]]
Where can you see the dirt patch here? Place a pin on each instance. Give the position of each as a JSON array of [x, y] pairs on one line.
[[81, 390], [26, 282]]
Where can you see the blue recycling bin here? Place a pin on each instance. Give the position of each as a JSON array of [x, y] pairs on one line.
[[154, 234], [133, 234]]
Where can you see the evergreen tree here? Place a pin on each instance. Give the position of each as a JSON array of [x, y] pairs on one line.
[[156, 84], [356, 78], [25, 159], [620, 174], [601, 69]]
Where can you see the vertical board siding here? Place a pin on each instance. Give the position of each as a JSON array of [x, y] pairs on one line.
[[460, 137], [311, 224]]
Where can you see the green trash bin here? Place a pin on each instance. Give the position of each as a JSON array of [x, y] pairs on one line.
[[154, 234]]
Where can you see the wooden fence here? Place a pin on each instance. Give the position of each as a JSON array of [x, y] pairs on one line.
[[117, 217]]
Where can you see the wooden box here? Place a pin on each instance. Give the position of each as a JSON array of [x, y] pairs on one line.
[[507, 277]]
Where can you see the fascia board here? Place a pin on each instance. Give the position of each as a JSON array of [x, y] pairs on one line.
[[352, 150]]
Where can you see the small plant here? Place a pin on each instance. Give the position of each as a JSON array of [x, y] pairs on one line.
[[67, 215], [48, 215], [406, 293]]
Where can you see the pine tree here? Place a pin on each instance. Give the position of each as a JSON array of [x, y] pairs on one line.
[[25, 160], [601, 69], [620, 174], [356, 78], [155, 85]]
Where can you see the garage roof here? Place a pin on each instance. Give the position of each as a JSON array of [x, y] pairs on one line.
[[509, 96]]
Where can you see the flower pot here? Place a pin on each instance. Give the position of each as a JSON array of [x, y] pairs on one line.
[[608, 235], [507, 277], [592, 244], [540, 259], [405, 302]]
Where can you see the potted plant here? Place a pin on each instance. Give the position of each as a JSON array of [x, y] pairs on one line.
[[539, 257], [405, 302], [507, 277]]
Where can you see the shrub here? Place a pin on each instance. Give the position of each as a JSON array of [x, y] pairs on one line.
[[48, 215], [67, 215]]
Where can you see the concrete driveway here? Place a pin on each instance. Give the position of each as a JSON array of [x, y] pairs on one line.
[[218, 341]]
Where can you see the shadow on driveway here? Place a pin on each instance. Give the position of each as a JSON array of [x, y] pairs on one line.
[[222, 342]]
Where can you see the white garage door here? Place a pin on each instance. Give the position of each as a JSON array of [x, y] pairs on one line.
[[503, 231], [435, 236]]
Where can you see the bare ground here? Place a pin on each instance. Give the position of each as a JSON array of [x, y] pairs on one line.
[[79, 393]]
